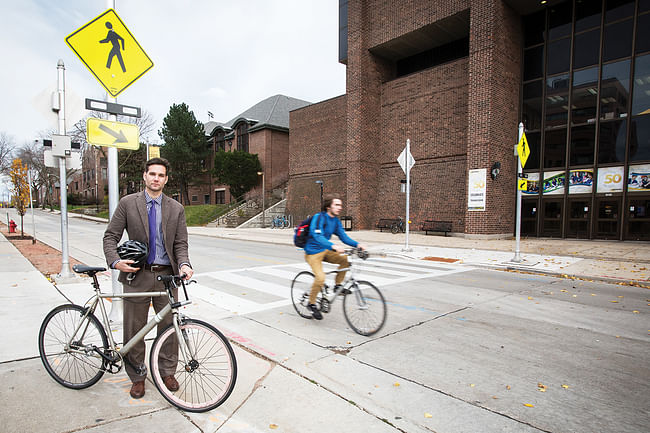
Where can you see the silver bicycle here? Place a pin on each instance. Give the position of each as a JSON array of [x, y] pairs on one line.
[[364, 307], [76, 349]]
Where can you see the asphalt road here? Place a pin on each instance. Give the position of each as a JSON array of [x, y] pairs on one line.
[[463, 349]]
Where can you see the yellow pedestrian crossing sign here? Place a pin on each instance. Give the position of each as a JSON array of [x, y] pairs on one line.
[[523, 150], [112, 134], [522, 184], [110, 52]]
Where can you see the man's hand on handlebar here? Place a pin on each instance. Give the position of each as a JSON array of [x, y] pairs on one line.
[[186, 272]]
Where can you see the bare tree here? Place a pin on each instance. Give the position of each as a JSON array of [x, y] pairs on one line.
[[7, 146]]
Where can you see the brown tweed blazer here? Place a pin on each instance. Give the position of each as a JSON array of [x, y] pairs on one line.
[[131, 215]]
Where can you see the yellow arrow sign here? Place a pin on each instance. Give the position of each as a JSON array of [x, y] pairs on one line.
[[110, 52], [523, 150], [112, 134], [522, 184]]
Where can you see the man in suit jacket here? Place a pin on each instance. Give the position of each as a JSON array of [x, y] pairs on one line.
[[158, 221]]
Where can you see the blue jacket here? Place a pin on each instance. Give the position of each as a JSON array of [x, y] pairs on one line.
[[320, 231]]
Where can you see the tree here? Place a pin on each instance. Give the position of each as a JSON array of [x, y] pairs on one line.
[[18, 175], [131, 166], [185, 147], [238, 170], [6, 151]]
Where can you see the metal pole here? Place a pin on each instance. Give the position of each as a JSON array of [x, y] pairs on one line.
[[517, 257], [408, 190], [263, 203], [31, 205], [63, 179], [113, 197]]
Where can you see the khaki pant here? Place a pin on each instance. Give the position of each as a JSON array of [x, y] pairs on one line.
[[135, 317], [316, 263]]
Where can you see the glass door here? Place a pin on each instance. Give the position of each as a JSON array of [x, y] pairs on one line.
[[638, 220], [529, 217], [579, 218], [607, 218], [552, 218]]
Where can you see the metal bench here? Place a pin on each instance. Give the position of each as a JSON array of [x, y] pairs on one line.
[[436, 226], [386, 223]]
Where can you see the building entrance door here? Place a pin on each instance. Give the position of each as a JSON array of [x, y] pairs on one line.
[[552, 218], [608, 218], [638, 220], [529, 217], [579, 218]]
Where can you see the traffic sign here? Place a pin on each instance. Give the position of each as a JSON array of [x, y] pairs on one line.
[[112, 134], [522, 184], [402, 160], [110, 107], [523, 150], [110, 52]]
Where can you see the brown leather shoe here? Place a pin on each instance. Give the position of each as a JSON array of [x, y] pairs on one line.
[[171, 383], [137, 389]]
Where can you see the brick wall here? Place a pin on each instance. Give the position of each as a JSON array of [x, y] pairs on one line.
[[317, 151]]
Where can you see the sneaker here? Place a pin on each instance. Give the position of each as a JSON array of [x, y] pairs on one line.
[[343, 291], [314, 312]]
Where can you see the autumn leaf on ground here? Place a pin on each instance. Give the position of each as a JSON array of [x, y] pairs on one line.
[[563, 290], [635, 312], [396, 384], [541, 387], [427, 415], [614, 302], [565, 386], [472, 385], [528, 405], [508, 386], [273, 426]]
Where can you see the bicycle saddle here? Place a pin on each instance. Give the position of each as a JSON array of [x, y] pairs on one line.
[[89, 270]]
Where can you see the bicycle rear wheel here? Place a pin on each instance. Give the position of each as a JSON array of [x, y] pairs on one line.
[[206, 376], [300, 290], [79, 365], [394, 228], [365, 308]]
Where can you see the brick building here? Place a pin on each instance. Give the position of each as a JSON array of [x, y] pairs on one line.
[[456, 78], [263, 129]]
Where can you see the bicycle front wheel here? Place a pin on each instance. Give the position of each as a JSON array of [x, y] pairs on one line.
[[206, 375], [394, 228], [300, 290], [67, 343], [365, 308]]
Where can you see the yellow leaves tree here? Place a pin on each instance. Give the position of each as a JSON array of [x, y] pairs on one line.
[[20, 200]]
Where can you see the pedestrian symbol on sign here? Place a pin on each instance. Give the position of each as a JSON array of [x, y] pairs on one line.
[[114, 39]]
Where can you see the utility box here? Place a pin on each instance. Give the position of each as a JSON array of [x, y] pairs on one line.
[[61, 145]]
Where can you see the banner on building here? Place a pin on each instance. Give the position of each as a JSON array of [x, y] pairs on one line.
[[476, 192], [638, 178], [610, 179], [553, 183], [532, 186], [581, 181]]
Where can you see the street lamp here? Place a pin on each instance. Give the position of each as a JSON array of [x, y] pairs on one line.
[[320, 182], [261, 173]]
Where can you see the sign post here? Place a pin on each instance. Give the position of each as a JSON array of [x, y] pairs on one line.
[[521, 151], [406, 161]]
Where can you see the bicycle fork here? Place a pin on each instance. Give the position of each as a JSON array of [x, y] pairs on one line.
[[189, 358]]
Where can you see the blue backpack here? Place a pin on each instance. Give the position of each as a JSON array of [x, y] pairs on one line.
[[301, 232]]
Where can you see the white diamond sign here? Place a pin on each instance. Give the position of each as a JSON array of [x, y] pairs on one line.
[[402, 160]]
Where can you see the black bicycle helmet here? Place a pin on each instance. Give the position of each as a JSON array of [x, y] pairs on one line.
[[134, 250]]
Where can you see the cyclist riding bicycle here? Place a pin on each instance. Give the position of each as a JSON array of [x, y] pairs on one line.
[[320, 249]]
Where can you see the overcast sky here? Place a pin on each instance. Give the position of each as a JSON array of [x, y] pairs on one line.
[[221, 56]]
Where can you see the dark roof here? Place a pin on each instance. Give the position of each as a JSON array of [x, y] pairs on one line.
[[271, 113]]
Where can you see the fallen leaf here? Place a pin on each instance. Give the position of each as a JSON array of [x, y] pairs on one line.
[[427, 415], [620, 296], [472, 385], [528, 405], [508, 386], [635, 312], [396, 384], [530, 297], [273, 426], [575, 296], [563, 290], [593, 294], [565, 386], [495, 397], [614, 302], [541, 387]]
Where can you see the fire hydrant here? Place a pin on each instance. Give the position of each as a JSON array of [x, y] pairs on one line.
[[12, 226]]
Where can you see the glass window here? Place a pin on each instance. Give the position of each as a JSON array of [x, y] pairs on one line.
[[617, 9], [583, 140], [559, 20], [644, 6], [533, 138], [617, 40], [559, 56], [640, 138], [611, 144], [641, 92], [534, 28], [643, 34], [587, 14], [532, 110], [557, 107], [533, 63], [615, 90], [585, 96], [587, 49], [555, 148]]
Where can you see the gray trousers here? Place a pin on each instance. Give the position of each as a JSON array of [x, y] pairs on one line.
[[135, 317]]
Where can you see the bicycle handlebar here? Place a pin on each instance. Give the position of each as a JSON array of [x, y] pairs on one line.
[[174, 280], [362, 254]]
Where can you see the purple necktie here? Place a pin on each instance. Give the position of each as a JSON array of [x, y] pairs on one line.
[[153, 230]]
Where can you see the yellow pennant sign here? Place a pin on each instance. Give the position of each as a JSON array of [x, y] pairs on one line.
[[523, 150], [522, 184], [112, 134], [110, 52]]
